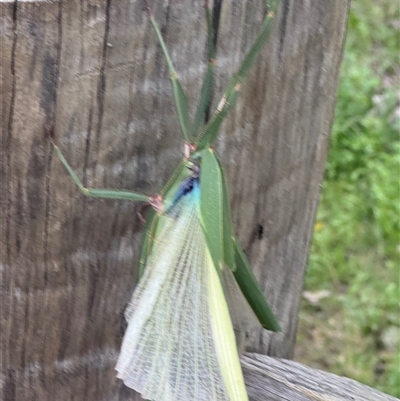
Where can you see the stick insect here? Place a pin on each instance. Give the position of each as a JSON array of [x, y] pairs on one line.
[[180, 343]]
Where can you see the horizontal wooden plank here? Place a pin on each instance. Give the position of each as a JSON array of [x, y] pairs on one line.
[[275, 379]]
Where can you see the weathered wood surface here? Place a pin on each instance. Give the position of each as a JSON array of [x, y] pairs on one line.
[[276, 379], [94, 70]]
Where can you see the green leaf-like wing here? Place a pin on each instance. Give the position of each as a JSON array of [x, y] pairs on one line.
[[229, 250], [211, 204], [252, 291], [224, 248], [148, 238]]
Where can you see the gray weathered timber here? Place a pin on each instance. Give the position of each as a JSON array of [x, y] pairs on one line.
[[94, 70], [276, 379]]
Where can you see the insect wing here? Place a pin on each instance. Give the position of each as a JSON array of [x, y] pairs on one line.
[[179, 344], [147, 242], [244, 321], [224, 248], [211, 205], [252, 291], [229, 252]]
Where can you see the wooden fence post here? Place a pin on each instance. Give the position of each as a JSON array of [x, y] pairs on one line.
[[94, 71]]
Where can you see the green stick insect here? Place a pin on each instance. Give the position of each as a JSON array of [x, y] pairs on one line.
[[180, 343]]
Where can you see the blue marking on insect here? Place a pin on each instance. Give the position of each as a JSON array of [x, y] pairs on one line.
[[189, 185], [185, 188]]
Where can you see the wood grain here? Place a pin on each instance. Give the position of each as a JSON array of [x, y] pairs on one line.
[[94, 71], [276, 379]]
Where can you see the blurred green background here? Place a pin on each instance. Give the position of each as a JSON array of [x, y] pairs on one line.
[[350, 315]]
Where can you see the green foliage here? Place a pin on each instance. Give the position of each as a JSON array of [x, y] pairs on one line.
[[356, 247]]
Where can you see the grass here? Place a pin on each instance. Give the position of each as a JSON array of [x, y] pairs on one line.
[[352, 328]]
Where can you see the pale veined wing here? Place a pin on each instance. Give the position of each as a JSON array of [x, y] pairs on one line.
[[179, 344]]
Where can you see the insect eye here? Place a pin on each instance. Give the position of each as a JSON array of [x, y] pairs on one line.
[[189, 165], [193, 165]]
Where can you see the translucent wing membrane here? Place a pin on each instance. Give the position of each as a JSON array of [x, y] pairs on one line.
[[243, 318], [179, 344]]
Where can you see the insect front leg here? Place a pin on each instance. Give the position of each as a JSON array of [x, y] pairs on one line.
[[97, 192]]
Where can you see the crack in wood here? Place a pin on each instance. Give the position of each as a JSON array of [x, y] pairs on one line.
[[101, 86]]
